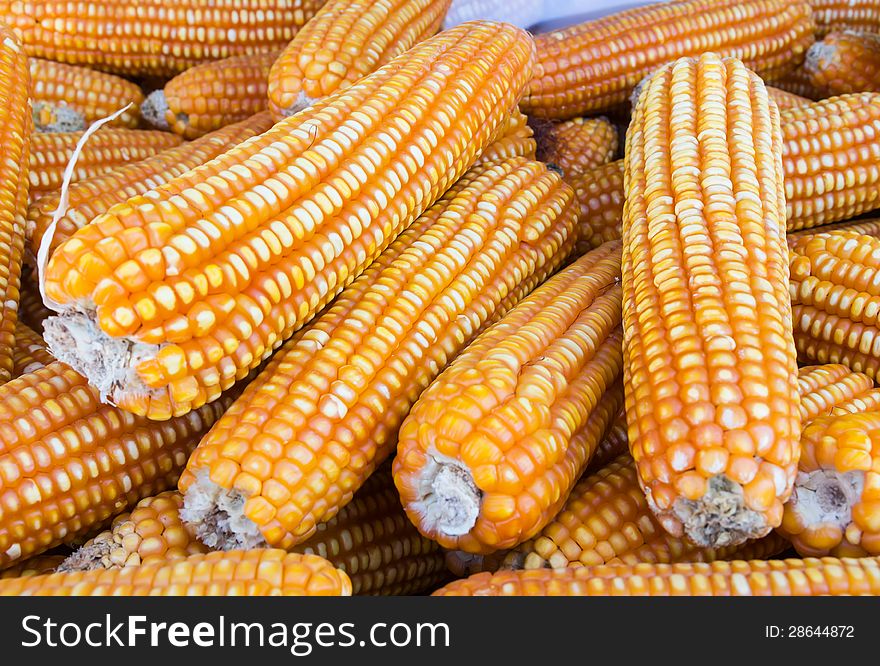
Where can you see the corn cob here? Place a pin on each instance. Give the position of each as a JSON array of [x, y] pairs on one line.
[[248, 247], [834, 300], [798, 82], [867, 227], [577, 145], [313, 426], [105, 150], [612, 445], [869, 401], [89, 94], [35, 566], [808, 577], [16, 125], [254, 573], [154, 38], [835, 506], [347, 40], [594, 66], [30, 351], [599, 194], [492, 449], [68, 463], [861, 15], [89, 198], [32, 311], [370, 539], [787, 100], [212, 95], [710, 376], [517, 140], [845, 62]]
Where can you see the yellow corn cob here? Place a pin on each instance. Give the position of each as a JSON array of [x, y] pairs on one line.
[[347, 40], [809, 577], [153, 37], [869, 401], [594, 66], [32, 311], [798, 82], [106, 149], [30, 351], [867, 227], [253, 573], [89, 94], [835, 506], [90, 197], [787, 100], [16, 125], [35, 566], [575, 146], [517, 140], [710, 371], [845, 62], [213, 270], [212, 95], [835, 301], [68, 462], [326, 411], [861, 15], [492, 449], [599, 194], [370, 539]]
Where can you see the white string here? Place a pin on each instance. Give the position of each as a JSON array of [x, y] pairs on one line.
[[61, 210]]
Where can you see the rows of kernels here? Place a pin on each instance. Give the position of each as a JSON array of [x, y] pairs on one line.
[[600, 195], [787, 100], [862, 227], [577, 146], [845, 62], [30, 351], [861, 15], [824, 388], [516, 140]]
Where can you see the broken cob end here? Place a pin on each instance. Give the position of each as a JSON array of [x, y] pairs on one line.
[[218, 516], [52, 118], [826, 497], [89, 557], [449, 500], [302, 102], [154, 110]]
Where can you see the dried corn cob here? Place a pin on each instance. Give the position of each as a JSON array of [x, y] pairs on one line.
[[867, 227], [599, 194], [212, 95], [809, 577], [32, 311], [16, 125], [490, 452], [347, 40], [35, 566], [835, 506], [845, 62], [594, 66], [313, 426], [787, 100], [710, 377], [517, 140], [612, 445], [798, 82], [825, 388], [213, 270], [30, 351], [105, 150], [90, 197], [159, 39], [861, 15], [834, 300], [253, 573], [869, 401], [575, 146], [90, 94], [68, 462]]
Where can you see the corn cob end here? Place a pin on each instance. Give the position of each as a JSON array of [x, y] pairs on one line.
[[52, 118], [825, 498], [155, 109], [217, 514], [449, 500], [86, 558]]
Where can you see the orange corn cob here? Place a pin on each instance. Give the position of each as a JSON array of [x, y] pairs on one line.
[[253, 573], [809, 577], [834, 300], [211, 95], [612, 445], [35, 566], [835, 506], [594, 66], [30, 351], [787, 100], [326, 411], [90, 94], [90, 197], [869, 401], [845, 62], [575, 146], [798, 82], [517, 140], [207, 274], [31, 310], [710, 371], [861, 15], [825, 388], [16, 127], [868, 227], [599, 193], [106, 149], [68, 462], [160, 39], [347, 40], [492, 449]]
